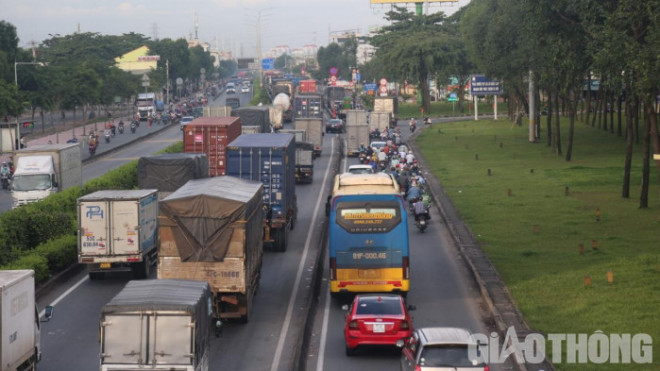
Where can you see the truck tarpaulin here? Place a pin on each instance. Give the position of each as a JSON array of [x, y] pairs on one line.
[[169, 171]]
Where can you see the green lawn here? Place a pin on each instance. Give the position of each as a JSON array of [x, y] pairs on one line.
[[533, 236], [448, 109]]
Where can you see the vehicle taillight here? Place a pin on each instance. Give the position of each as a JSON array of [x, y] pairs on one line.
[[404, 325], [486, 368], [418, 368], [333, 268], [353, 324], [406, 268]]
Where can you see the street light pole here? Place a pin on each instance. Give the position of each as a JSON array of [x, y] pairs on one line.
[[15, 142]]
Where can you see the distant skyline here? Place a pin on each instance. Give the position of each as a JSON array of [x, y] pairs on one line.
[[231, 24]]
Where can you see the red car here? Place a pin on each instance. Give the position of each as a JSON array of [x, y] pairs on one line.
[[376, 320]]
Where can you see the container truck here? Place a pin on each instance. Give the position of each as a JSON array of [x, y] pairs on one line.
[[118, 231], [304, 162], [169, 171], [157, 325], [211, 135], [380, 120], [212, 230], [269, 158], [301, 135], [314, 129], [20, 347], [308, 105], [356, 134], [45, 169], [386, 104], [307, 86], [255, 116], [356, 117]]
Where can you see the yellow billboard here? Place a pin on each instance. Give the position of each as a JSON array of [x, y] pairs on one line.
[[410, 1]]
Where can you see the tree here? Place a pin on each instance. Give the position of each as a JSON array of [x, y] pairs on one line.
[[413, 47]]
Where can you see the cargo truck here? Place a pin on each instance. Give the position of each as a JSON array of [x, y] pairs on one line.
[[276, 117], [211, 135], [254, 119], [380, 120], [269, 158], [45, 169], [300, 135], [169, 171], [20, 346], [314, 129], [308, 105], [356, 134], [118, 231], [306, 86], [356, 117], [212, 230], [386, 104], [157, 325], [218, 111], [304, 162]]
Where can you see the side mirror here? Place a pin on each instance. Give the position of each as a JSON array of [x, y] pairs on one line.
[[48, 313], [344, 307], [411, 307]]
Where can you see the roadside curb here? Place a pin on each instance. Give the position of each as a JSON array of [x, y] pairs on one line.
[[493, 291]]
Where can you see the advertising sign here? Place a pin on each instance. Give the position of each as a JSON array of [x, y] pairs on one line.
[[480, 85]]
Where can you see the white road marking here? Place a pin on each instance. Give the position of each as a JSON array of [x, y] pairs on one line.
[[324, 332], [64, 294], [294, 294]]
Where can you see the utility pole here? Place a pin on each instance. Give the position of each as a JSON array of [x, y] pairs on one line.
[[167, 84]]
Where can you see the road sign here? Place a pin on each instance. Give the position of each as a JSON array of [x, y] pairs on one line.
[[333, 78], [383, 89], [383, 82], [480, 85], [452, 97], [267, 64], [370, 87], [333, 71], [358, 76]]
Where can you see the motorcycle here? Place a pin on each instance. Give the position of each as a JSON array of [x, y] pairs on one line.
[[421, 222], [133, 127], [5, 179], [412, 128], [362, 157], [106, 134], [92, 147], [121, 128], [113, 130]]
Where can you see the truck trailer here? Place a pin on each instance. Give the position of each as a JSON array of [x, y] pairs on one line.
[[254, 119], [314, 129], [45, 169], [118, 231], [169, 171], [211, 135], [157, 325], [270, 159], [212, 230], [356, 134]]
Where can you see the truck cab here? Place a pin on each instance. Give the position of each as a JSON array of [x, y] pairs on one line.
[[35, 178]]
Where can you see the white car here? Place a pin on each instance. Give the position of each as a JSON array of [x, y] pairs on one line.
[[185, 120], [245, 89], [377, 145], [360, 169]]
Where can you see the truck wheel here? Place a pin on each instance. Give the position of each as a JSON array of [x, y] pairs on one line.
[[280, 240], [141, 270]]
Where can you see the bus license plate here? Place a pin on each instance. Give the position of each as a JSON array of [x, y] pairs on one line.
[[379, 327], [367, 273], [105, 265]]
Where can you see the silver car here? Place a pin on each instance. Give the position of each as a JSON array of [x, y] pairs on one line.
[[440, 349]]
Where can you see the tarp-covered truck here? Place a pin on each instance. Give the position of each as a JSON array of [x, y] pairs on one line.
[[270, 159], [118, 231], [314, 129], [169, 171], [211, 135], [217, 111], [157, 325], [212, 230], [254, 119], [45, 169]]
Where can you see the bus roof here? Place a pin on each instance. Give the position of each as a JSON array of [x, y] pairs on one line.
[[354, 184]]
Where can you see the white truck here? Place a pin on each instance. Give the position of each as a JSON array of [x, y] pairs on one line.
[[356, 134], [118, 231], [380, 120], [314, 129], [217, 111], [45, 169], [301, 135], [146, 105], [20, 347], [157, 325]]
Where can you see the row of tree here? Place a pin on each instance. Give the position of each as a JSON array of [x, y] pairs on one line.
[[79, 70], [561, 46]]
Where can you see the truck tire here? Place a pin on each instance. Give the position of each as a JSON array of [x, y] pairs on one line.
[[280, 240], [141, 270]]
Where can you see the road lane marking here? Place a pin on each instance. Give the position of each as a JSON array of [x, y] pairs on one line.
[[324, 332], [64, 294], [292, 299]]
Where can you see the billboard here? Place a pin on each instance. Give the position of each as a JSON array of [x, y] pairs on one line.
[[243, 63], [410, 1], [480, 85]]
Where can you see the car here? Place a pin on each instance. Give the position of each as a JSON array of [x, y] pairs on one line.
[[230, 91], [185, 120], [377, 145], [245, 89], [334, 125], [439, 349], [360, 169], [376, 319]]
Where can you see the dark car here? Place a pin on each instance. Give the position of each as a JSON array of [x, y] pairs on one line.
[[334, 125]]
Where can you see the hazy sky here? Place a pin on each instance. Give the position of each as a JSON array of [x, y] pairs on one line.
[[233, 23]]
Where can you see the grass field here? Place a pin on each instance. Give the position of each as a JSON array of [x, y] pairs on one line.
[[448, 109], [533, 235]]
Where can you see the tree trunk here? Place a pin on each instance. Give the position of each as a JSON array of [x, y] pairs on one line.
[[43, 120], [557, 125], [537, 114], [549, 121], [649, 116], [605, 106], [426, 96], [636, 118], [619, 118], [612, 113], [596, 114], [572, 112], [588, 98], [625, 191]]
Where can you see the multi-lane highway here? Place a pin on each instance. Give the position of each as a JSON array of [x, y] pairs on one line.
[[271, 340]]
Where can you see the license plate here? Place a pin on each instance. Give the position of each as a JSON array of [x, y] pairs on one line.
[[367, 273], [105, 265], [379, 327]]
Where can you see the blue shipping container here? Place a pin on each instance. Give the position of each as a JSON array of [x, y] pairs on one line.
[[269, 158]]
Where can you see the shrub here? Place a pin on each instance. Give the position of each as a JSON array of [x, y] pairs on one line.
[[31, 261], [60, 252]]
